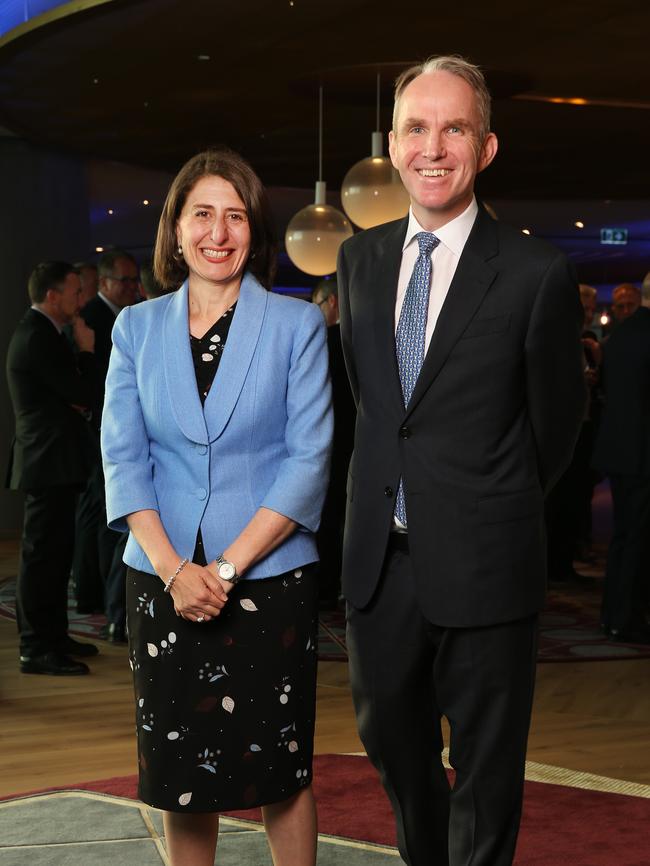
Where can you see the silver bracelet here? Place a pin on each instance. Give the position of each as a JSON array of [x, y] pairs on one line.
[[170, 581]]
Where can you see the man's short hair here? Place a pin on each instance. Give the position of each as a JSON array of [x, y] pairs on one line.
[[587, 291], [85, 266], [46, 276], [626, 287], [456, 65], [107, 262], [325, 288]]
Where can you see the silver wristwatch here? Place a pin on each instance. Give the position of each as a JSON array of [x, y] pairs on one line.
[[226, 570]]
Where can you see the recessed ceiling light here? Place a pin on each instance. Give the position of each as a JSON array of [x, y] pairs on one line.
[[202, 56], [110, 211], [604, 319], [526, 231], [95, 80], [579, 224], [145, 201], [99, 249]]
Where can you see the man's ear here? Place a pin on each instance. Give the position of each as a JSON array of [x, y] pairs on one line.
[[392, 146], [488, 151], [52, 296]]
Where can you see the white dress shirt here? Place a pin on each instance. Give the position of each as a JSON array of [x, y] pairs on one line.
[[444, 261], [115, 310], [47, 316]]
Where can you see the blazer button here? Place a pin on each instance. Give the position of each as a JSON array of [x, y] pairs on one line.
[[404, 432], [388, 491], [201, 492]]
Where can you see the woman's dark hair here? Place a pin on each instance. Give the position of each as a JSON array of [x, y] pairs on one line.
[[169, 266]]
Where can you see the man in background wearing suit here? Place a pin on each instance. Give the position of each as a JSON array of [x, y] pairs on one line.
[[622, 452], [462, 342], [329, 537], [98, 565], [52, 394]]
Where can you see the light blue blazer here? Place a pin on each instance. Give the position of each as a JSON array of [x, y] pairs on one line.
[[261, 439]]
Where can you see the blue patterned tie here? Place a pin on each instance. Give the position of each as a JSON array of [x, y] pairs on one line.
[[411, 333]]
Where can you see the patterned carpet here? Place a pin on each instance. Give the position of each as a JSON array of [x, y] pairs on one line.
[[331, 634], [569, 626], [568, 817]]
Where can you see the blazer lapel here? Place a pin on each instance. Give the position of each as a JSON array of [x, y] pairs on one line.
[[472, 279], [236, 359], [387, 259], [179, 369]]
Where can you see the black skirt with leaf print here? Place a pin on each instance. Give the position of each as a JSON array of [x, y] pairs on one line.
[[225, 709]]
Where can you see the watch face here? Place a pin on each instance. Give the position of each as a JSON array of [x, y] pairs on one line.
[[227, 570]]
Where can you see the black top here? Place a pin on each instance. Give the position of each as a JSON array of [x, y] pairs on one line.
[[207, 351], [206, 354]]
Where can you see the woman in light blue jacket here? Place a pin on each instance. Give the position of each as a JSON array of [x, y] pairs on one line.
[[216, 435]]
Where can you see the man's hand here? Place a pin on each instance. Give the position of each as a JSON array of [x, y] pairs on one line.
[[84, 336], [594, 348]]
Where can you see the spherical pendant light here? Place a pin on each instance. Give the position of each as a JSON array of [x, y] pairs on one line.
[[315, 234], [372, 191]]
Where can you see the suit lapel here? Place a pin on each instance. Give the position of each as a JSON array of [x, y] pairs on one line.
[[237, 356], [472, 279], [179, 369], [387, 259]]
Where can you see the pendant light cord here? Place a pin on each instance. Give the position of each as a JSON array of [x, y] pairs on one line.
[[320, 133], [377, 126]]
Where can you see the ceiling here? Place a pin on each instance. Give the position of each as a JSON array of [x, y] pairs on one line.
[[124, 81]]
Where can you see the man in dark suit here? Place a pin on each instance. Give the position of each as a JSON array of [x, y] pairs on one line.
[[330, 533], [622, 452], [98, 552], [52, 394], [461, 338]]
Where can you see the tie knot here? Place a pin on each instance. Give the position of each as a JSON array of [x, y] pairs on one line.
[[427, 242]]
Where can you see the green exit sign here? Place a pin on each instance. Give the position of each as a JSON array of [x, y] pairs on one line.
[[613, 236]]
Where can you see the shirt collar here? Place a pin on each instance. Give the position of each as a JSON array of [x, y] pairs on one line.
[[453, 234], [43, 313], [113, 307]]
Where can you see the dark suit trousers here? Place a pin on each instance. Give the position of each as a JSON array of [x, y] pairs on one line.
[[329, 538], [45, 561], [628, 557], [94, 544], [115, 597], [406, 674]]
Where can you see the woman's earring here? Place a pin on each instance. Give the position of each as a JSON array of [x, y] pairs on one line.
[[180, 250]]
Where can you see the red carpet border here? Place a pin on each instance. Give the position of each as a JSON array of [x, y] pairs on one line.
[[561, 825]]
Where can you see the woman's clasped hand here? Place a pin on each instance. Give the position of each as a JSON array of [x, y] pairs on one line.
[[198, 594]]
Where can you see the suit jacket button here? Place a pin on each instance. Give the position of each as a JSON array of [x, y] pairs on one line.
[[404, 432], [388, 491]]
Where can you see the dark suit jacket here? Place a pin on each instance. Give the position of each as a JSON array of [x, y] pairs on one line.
[[45, 381], [623, 443], [343, 404], [490, 426], [99, 316]]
